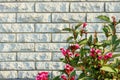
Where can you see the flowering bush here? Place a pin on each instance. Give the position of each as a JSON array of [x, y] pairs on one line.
[[94, 58]]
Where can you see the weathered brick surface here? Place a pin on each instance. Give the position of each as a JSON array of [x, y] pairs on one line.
[[31, 32]]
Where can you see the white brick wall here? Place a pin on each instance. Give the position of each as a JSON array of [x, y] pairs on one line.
[[31, 32]]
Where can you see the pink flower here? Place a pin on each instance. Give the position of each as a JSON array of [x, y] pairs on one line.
[[42, 76], [109, 54], [98, 51], [77, 46], [72, 78], [100, 57], [92, 54], [64, 52], [92, 50], [77, 54], [84, 25], [63, 77], [68, 68]]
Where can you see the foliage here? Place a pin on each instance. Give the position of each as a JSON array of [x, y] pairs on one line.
[[96, 59]]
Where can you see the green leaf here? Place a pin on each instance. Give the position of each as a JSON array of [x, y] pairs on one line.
[[69, 38], [84, 41], [78, 25], [115, 55], [105, 18], [108, 69], [105, 31], [86, 78], [114, 37], [56, 78], [67, 29], [73, 73], [90, 40]]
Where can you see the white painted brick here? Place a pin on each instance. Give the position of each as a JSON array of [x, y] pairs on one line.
[[33, 17], [7, 17], [7, 0], [33, 37], [16, 7], [68, 17], [27, 74], [7, 56], [113, 7], [33, 0], [103, 0], [49, 65], [7, 38], [31, 56], [16, 47], [17, 65], [92, 17], [50, 27], [16, 27], [69, 0], [56, 56], [87, 7], [55, 73], [60, 37], [52, 7], [49, 46], [8, 74]]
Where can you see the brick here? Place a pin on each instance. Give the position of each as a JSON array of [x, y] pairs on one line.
[[7, 17], [33, 17], [52, 7], [56, 56], [60, 37], [7, 56], [33, 37], [68, 17], [16, 27], [33, 0], [27, 74], [113, 7], [56, 73], [31, 56], [92, 17], [16, 47], [16, 7], [8, 74], [7, 38], [87, 7], [49, 46], [49, 65], [50, 27], [7, 0], [17, 66], [69, 0], [102, 0]]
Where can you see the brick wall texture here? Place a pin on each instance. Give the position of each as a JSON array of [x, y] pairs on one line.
[[31, 36]]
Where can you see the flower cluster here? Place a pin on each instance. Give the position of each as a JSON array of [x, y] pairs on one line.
[[42, 76], [68, 69], [98, 53]]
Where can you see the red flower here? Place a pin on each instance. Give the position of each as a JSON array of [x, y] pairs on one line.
[[63, 77], [92, 50], [72, 78], [64, 52], [92, 54], [75, 46], [42, 76], [77, 54], [84, 25], [98, 51], [68, 68], [108, 55], [100, 57]]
